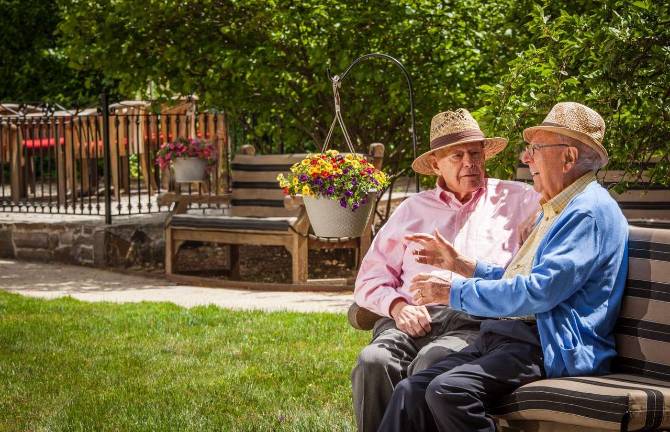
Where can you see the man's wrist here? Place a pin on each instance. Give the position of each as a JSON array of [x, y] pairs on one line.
[[465, 266], [396, 306]]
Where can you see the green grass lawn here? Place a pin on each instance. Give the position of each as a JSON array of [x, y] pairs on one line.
[[69, 365]]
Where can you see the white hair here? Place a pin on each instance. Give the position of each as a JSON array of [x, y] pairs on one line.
[[588, 159]]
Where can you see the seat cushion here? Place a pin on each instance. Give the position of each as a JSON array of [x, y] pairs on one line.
[[232, 223], [611, 402]]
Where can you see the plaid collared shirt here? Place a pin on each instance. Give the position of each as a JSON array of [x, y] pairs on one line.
[[522, 263]]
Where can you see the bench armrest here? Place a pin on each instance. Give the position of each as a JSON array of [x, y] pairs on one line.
[[293, 203], [361, 318]]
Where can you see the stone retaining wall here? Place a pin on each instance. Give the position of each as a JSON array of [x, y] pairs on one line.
[[130, 244]]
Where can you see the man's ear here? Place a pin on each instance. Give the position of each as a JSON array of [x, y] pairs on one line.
[[571, 155], [432, 161]]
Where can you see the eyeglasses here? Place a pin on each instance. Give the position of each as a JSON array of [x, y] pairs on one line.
[[530, 149]]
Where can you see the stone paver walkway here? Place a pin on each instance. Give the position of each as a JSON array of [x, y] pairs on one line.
[[90, 284]]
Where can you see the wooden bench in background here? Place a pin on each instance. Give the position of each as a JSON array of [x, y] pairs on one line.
[[257, 213]]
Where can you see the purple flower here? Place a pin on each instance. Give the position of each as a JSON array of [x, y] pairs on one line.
[[354, 182], [317, 181], [348, 193], [345, 171], [330, 190], [303, 177], [354, 207], [343, 203]]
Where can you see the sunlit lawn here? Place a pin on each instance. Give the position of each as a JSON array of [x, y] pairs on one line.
[[69, 365]]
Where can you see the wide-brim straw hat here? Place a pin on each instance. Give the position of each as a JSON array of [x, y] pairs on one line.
[[452, 128], [576, 121]]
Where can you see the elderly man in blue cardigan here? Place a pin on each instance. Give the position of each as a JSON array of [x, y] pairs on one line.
[[553, 308]]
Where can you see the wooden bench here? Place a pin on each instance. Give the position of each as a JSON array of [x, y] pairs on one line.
[[258, 214], [636, 396]]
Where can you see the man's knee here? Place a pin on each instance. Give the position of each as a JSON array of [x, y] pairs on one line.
[[374, 356], [427, 357], [450, 393]]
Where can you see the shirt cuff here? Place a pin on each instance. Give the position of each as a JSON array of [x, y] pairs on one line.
[[482, 270], [385, 305], [455, 296]]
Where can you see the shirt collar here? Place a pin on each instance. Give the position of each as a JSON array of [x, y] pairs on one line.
[[558, 203], [445, 196]]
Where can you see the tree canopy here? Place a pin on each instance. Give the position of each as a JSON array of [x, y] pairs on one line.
[[264, 63]]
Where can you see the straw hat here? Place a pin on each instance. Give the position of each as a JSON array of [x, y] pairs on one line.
[[575, 121], [452, 128]]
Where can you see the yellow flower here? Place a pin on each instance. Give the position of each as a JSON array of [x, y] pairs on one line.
[[306, 190], [305, 162], [349, 156], [295, 181]]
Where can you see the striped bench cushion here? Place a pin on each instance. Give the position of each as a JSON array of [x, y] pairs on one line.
[[233, 223], [255, 191], [612, 402]]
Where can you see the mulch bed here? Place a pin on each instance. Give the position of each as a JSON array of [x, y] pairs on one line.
[[262, 263]]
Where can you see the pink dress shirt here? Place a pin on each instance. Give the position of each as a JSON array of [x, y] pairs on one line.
[[487, 227]]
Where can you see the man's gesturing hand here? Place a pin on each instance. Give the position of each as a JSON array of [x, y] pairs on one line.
[[413, 320], [437, 251], [427, 288]]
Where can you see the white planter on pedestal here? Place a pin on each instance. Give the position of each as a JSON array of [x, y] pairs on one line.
[[189, 169]]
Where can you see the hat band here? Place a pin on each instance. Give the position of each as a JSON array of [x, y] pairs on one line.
[[445, 140], [546, 123]]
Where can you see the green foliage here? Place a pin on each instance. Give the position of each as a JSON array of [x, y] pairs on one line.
[[69, 365], [265, 62], [33, 66], [613, 57]]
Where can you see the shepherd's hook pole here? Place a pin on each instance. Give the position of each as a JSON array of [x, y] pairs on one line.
[[340, 78]]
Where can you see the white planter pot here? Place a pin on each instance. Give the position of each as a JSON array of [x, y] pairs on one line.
[[189, 170], [329, 219]]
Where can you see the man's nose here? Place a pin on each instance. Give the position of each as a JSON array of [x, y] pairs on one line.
[[468, 160], [524, 157]]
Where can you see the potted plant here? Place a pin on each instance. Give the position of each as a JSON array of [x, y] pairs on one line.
[[190, 158], [337, 189]]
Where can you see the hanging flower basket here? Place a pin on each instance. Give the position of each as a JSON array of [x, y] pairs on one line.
[[191, 159], [338, 191], [330, 219]]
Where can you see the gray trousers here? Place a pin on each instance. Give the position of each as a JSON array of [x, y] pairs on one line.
[[394, 355]]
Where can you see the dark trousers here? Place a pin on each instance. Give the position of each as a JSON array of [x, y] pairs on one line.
[[453, 394]]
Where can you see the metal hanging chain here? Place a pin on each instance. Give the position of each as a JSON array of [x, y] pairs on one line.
[[338, 119]]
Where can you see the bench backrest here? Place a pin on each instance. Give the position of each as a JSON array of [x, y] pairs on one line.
[[255, 190], [643, 327]]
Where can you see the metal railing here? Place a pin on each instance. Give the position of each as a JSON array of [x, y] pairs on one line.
[[100, 161]]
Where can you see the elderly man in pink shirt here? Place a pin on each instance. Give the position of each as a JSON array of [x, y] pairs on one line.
[[482, 217]]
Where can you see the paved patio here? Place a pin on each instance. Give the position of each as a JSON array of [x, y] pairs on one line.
[[90, 284]]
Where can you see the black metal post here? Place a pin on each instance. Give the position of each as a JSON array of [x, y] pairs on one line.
[[107, 158], [409, 85]]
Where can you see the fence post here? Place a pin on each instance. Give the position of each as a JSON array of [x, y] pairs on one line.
[[107, 158]]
